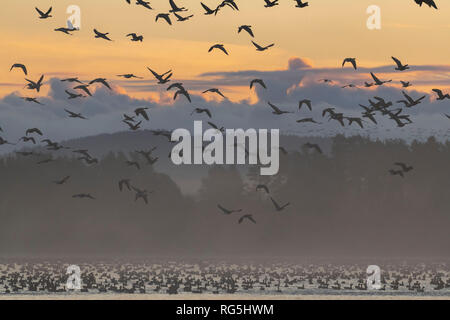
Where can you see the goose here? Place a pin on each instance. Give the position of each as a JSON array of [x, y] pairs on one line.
[[430, 3], [73, 95], [29, 99], [227, 211], [175, 8], [314, 146], [350, 60], [202, 110], [43, 15], [35, 85], [400, 66], [162, 78], [75, 115], [101, 81], [260, 48], [441, 96], [33, 130], [218, 46], [101, 35], [262, 187], [248, 217], [214, 90], [135, 37], [208, 11], [164, 16], [270, 4], [184, 93], [143, 3], [83, 196], [404, 166], [142, 112], [277, 206], [62, 181], [301, 4], [277, 111], [307, 102], [84, 87], [246, 28], [126, 183], [257, 81], [181, 18], [133, 126], [20, 66]]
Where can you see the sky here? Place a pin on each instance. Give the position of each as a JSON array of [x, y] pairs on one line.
[[310, 44]]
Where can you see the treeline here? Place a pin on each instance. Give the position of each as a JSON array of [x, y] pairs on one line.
[[343, 203]]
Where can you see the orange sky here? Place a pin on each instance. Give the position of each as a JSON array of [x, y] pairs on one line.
[[325, 32]]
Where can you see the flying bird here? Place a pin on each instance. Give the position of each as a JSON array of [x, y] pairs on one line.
[[35, 85], [74, 115], [164, 16], [404, 166], [350, 60], [214, 90], [62, 181], [270, 4], [208, 11], [430, 3], [175, 8], [20, 66], [72, 80], [133, 163], [301, 4], [126, 183], [84, 87], [248, 217], [135, 37], [260, 48], [277, 111], [33, 130], [378, 82], [262, 187], [228, 211], [74, 95], [257, 81], [202, 110], [142, 112], [220, 47], [246, 28], [162, 78], [83, 196], [277, 206], [441, 96], [400, 66], [181, 18], [101, 35], [128, 76], [102, 81], [307, 102], [143, 3], [314, 146], [45, 15]]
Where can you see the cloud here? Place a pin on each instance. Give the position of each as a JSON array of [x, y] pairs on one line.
[[105, 108]]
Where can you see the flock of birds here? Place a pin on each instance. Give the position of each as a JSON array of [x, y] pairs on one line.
[[219, 278], [377, 105]]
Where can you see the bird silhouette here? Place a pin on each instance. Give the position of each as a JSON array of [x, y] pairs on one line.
[[45, 15], [75, 115], [35, 85], [314, 146], [306, 102], [441, 96], [143, 3], [248, 217], [62, 181], [430, 3], [277, 111], [350, 60], [175, 8], [378, 82], [101, 81], [85, 88], [400, 66], [73, 95], [33, 130], [228, 211], [126, 183], [208, 11], [20, 66], [135, 37], [404, 166], [214, 90], [262, 187], [141, 112], [246, 28], [300, 4], [83, 196], [270, 4], [260, 48], [165, 16], [257, 81], [277, 206], [220, 47], [101, 35], [202, 110], [162, 78], [181, 18]]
